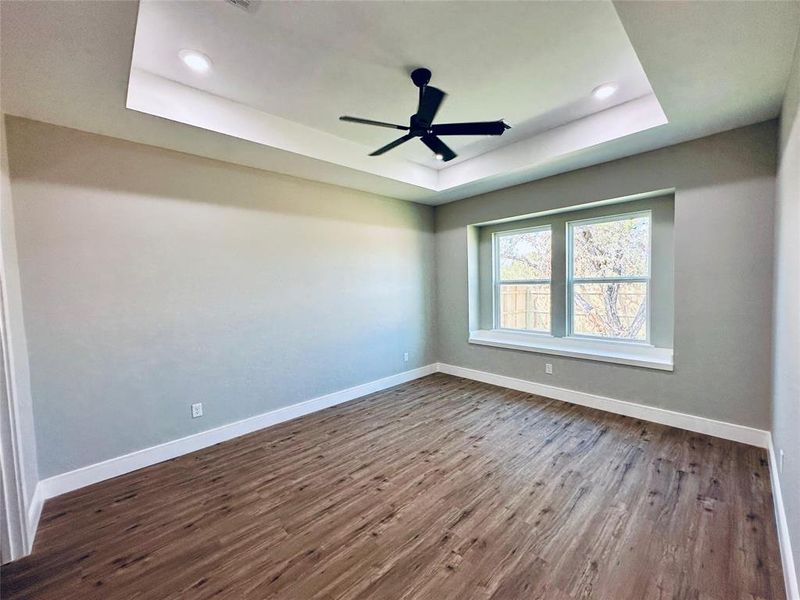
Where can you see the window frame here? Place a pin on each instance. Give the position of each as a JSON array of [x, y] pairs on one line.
[[571, 280], [497, 283]]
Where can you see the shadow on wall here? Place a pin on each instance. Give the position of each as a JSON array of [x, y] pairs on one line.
[[63, 156], [726, 158], [153, 279]]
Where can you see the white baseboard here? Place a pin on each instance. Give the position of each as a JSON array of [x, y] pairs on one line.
[[789, 573], [32, 518], [721, 429], [73, 480]]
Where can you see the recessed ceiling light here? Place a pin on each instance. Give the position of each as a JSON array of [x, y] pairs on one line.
[[195, 60], [438, 156], [605, 90]]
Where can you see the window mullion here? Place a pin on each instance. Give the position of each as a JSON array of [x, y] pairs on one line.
[[642, 279], [524, 281]]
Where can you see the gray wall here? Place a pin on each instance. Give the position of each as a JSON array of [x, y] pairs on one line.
[[723, 275], [153, 279], [786, 347], [19, 380]]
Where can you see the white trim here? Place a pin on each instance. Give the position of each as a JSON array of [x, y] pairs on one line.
[[721, 429], [787, 558], [113, 467], [72, 480], [13, 464], [623, 353], [34, 513]]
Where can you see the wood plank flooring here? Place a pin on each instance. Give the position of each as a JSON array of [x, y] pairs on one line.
[[437, 489]]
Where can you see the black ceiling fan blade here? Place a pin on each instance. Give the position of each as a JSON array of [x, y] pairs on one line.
[[438, 147], [371, 122], [478, 128], [429, 103], [394, 144]]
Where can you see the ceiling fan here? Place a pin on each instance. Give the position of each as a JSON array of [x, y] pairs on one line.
[[421, 124]]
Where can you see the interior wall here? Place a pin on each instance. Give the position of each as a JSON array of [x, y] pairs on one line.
[[786, 348], [724, 191], [154, 279], [17, 383]]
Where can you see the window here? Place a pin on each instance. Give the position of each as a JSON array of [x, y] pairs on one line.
[[523, 262], [608, 277], [576, 277], [595, 282]]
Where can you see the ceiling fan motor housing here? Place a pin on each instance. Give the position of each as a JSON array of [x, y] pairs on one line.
[[421, 77]]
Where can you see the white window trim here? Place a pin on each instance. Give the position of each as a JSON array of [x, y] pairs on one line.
[[609, 351], [497, 283], [570, 319]]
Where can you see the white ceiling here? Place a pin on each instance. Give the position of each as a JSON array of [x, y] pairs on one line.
[[284, 72], [533, 64], [712, 66]]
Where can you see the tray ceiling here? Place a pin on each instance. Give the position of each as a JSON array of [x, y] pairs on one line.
[[284, 72]]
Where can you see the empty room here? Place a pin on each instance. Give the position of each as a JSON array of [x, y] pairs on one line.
[[400, 300]]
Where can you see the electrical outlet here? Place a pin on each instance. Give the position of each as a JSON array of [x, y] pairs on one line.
[[780, 462], [197, 410], [548, 368], [405, 357]]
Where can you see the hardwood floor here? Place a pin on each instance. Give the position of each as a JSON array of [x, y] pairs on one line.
[[440, 488]]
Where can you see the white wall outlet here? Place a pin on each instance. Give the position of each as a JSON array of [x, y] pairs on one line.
[[548, 368], [405, 356], [197, 410], [780, 462]]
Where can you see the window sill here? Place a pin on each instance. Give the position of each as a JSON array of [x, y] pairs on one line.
[[637, 355]]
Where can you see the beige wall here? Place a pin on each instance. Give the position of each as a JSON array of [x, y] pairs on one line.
[[723, 234], [786, 348], [153, 279]]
